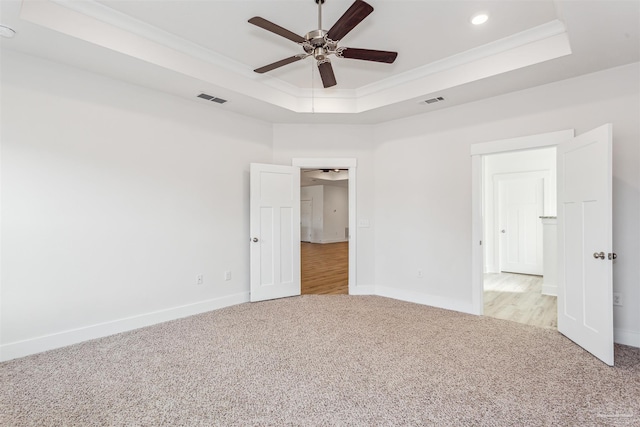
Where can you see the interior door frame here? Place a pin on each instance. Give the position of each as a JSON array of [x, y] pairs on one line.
[[350, 165], [478, 152]]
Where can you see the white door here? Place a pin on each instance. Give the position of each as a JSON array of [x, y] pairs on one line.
[[585, 305], [306, 220], [521, 205], [275, 231]]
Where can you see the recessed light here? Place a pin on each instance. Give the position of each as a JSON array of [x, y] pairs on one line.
[[7, 32], [479, 19]]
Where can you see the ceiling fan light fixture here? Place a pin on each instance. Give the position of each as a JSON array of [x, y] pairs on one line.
[[319, 53], [479, 18]]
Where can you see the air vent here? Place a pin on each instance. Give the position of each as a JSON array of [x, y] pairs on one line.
[[212, 98], [433, 100]]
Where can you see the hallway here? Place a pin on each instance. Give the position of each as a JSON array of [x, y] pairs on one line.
[[325, 268]]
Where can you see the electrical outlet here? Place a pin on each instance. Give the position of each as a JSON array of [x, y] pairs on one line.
[[420, 274], [227, 275], [617, 298], [199, 279]]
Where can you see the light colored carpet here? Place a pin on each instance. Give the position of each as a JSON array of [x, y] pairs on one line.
[[324, 360]]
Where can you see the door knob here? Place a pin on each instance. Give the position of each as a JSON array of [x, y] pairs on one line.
[[503, 231], [597, 255], [255, 239], [613, 255]]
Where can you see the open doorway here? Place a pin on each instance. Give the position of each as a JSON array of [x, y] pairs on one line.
[[349, 167], [519, 204], [324, 231]]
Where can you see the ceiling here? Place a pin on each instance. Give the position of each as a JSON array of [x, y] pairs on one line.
[[335, 177], [188, 47]]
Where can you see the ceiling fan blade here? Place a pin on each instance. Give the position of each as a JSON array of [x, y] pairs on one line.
[[369, 55], [270, 26], [326, 72], [352, 17], [278, 64]]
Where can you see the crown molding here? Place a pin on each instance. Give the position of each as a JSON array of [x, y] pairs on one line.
[[96, 23]]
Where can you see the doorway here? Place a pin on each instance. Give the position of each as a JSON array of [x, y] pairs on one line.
[[519, 190], [328, 233], [514, 189], [324, 231]]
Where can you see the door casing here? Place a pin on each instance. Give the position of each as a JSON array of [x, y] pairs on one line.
[[350, 165], [478, 151]]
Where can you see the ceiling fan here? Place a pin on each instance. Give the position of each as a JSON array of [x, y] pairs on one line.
[[325, 170], [321, 43]]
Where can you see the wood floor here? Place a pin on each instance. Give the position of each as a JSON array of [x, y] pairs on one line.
[[325, 268], [515, 297], [518, 297]]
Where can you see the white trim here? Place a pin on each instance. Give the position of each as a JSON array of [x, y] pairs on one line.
[[49, 342], [341, 163], [324, 163], [324, 241], [362, 290], [551, 290], [74, 336], [477, 236], [546, 31], [626, 337], [425, 299], [96, 23], [477, 151], [550, 139]]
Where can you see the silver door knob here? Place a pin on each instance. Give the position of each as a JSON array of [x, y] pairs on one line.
[[503, 231], [597, 255], [613, 256], [255, 239]]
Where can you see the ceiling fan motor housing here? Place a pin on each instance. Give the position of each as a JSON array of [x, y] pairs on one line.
[[316, 37]]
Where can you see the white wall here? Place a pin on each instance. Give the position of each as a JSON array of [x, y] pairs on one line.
[[315, 194], [339, 141], [496, 166], [114, 198], [423, 185], [335, 213], [330, 212]]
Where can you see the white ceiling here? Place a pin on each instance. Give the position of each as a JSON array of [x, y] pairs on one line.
[[191, 46]]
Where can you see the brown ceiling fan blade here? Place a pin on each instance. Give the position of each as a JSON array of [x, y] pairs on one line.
[[352, 17], [278, 64], [369, 55], [326, 72], [277, 29]]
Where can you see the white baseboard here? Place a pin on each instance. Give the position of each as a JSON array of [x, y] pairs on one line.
[[61, 339], [551, 290], [333, 240], [49, 342], [490, 268], [626, 337], [425, 299], [362, 290]]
